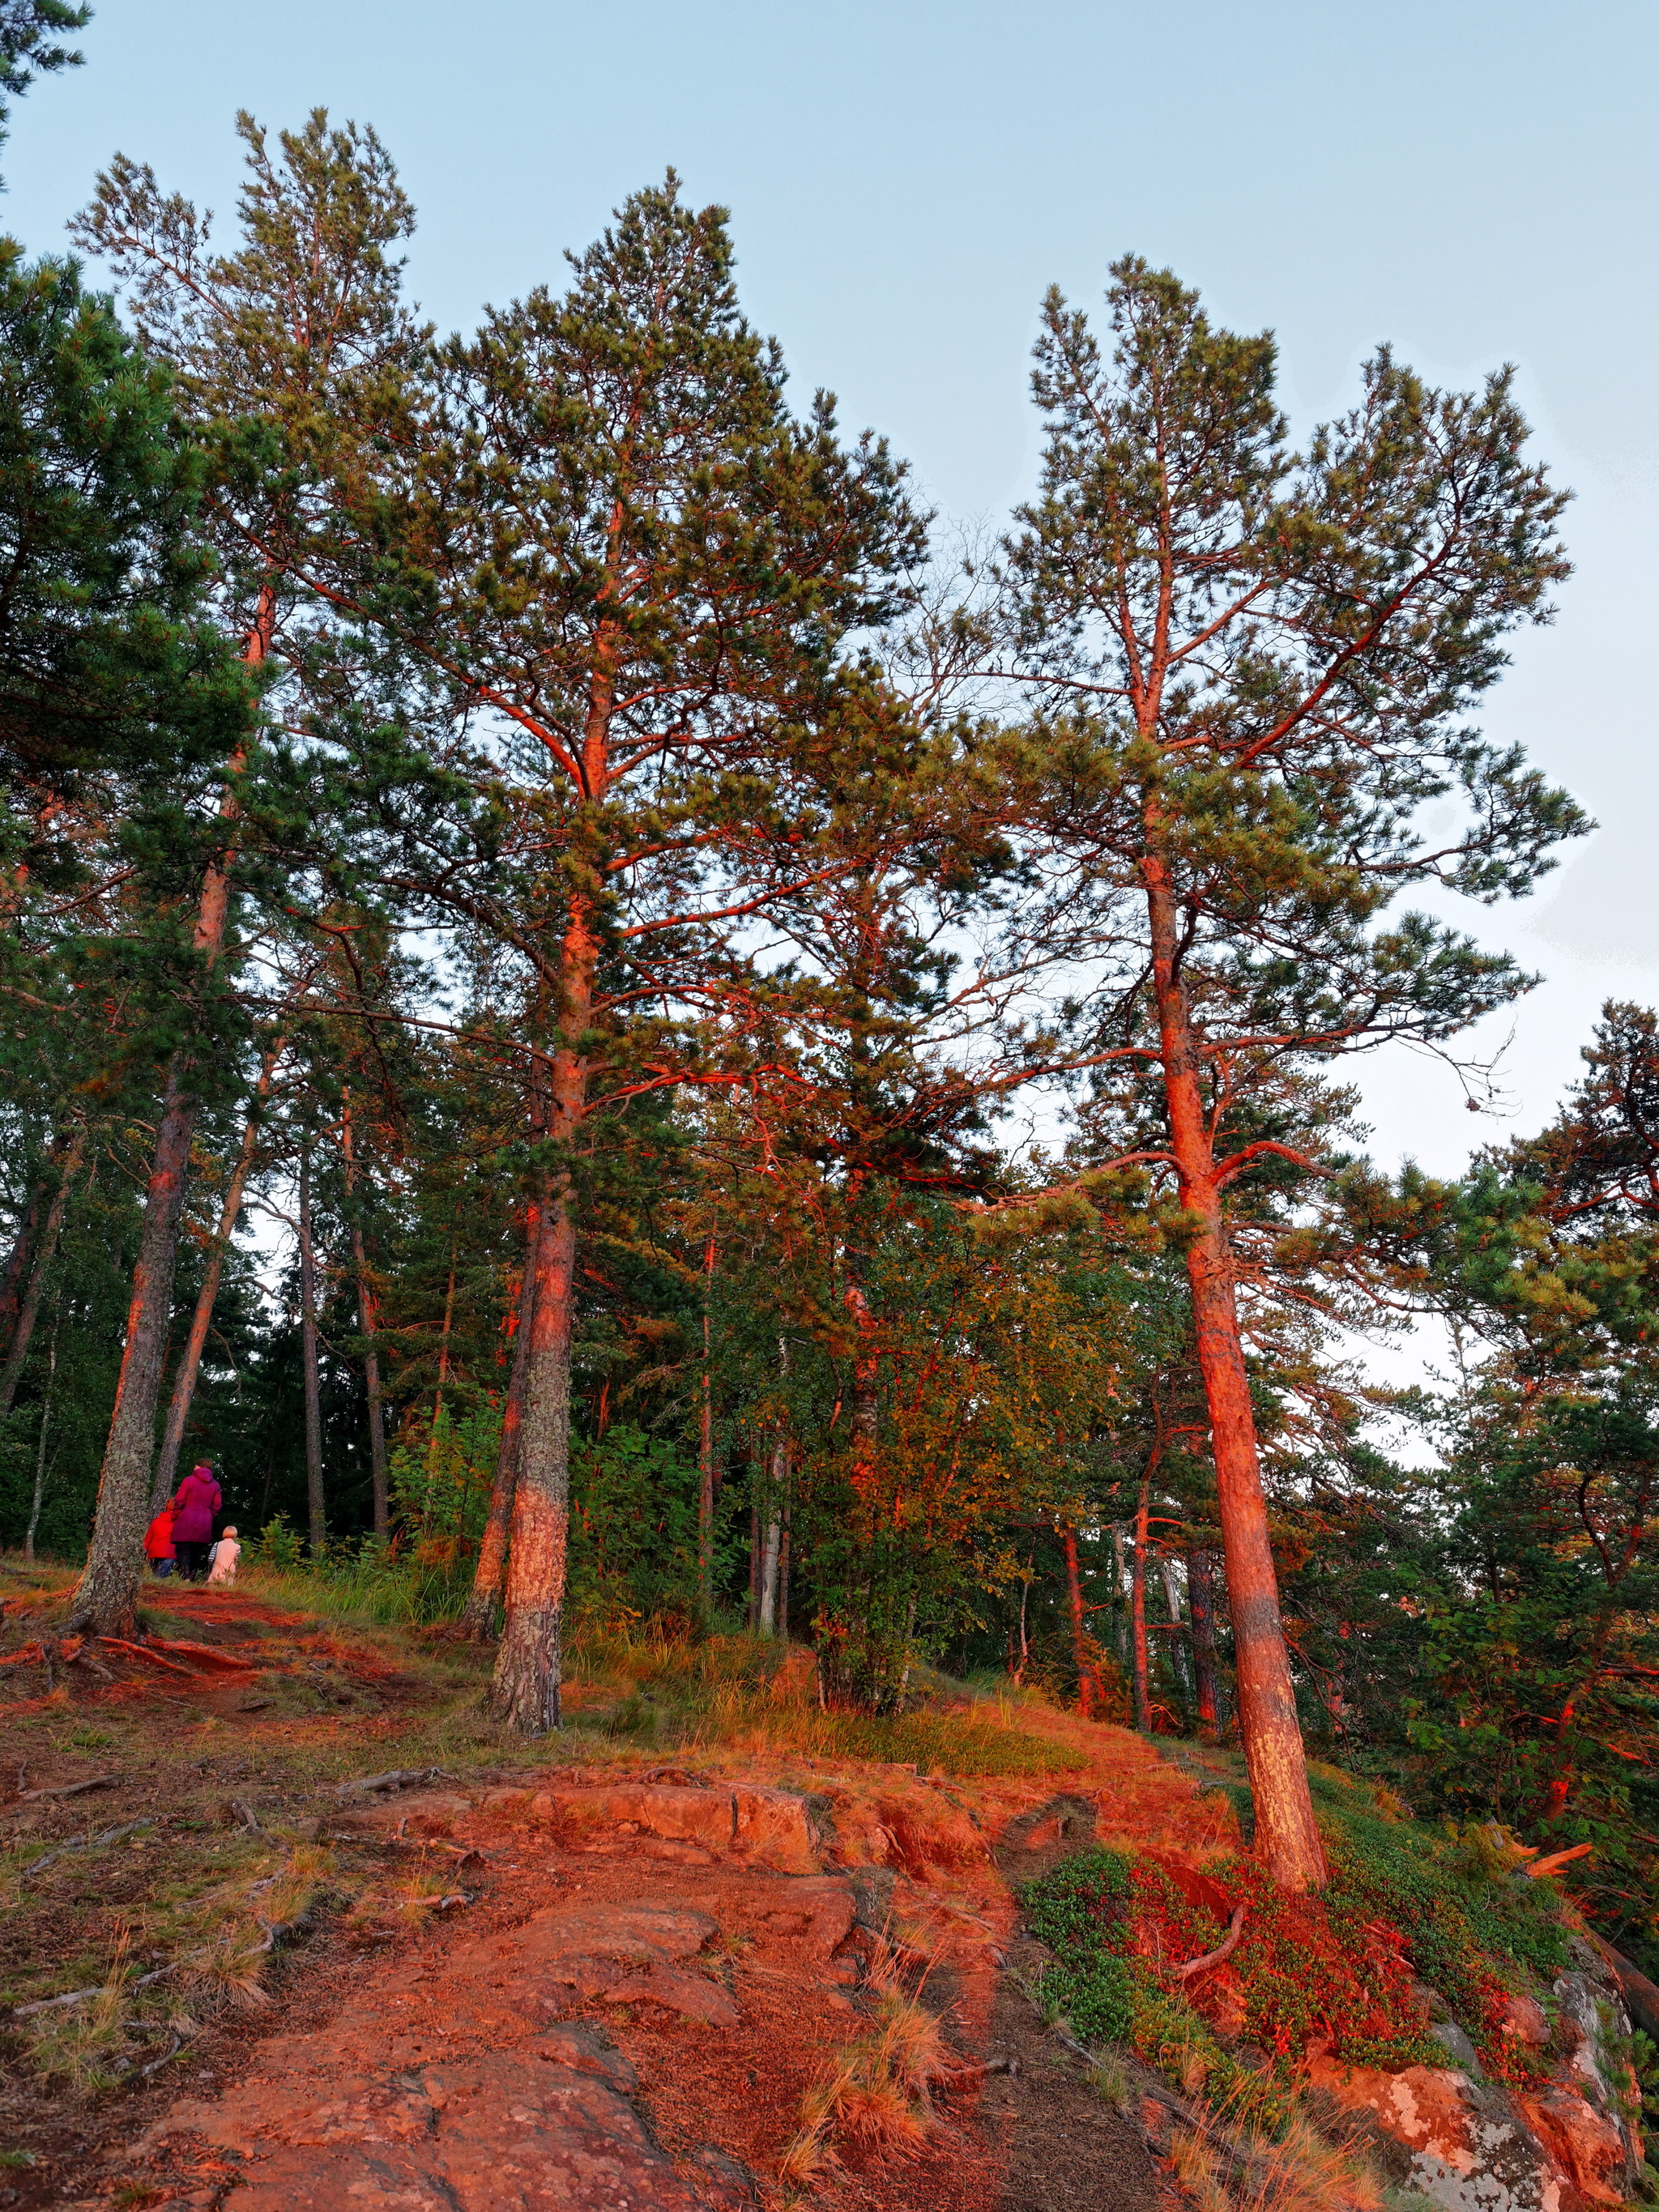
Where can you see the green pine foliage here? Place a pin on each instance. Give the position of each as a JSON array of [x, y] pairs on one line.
[[632, 812]]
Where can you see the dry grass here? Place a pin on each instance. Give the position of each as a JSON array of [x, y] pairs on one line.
[[229, 1972], [217, 1943], [427, 1886], [878, 2101], [81, 2046], [1225, 2169]]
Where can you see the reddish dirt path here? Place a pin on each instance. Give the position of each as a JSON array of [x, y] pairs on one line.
[[434, 2081], [413, 2025]]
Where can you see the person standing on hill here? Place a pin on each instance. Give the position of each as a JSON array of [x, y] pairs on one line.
[[158, 1544], [194, 1505], [221, 1560]]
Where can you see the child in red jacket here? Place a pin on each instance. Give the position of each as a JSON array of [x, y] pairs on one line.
[[158, 1543]]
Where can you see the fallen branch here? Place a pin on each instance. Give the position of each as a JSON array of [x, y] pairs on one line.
[[1224, 1949], [1542, 1868], [46, 2004], [397, 1777], [70, 1788], [976, 2070], [80, 1996], [81, 1843], [204, 1655]]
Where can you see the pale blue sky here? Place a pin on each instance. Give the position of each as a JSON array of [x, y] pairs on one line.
[[1473, 180]]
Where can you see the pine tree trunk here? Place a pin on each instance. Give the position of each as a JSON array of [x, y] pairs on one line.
[[315, 1511], [525, 1691], [1287, 1835], [369, 1327], [757, 1552], [771, 1538], [489, 1577], [1177, 1634], [368, 1321], [1088, 1684], [106, 1599], [39, 1497], [190, 1360], [11, 1276], [15, 1274], [29, 1311], [706, 1442], [432, 1433], [1200, 1604], [1137, 1610]]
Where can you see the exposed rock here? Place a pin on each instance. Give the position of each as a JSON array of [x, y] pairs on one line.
[[684, 1821], [1458, 2142], [729, 2182], [826, 1909], [1525, 2019], [688, 1994], [703, 1817], [533, 1968], [1458, 2047], [619, 1930], [1588, 2144], [585, 2050], [508, 2134], [773, 1828], [427, 1812], [1641, 1995]]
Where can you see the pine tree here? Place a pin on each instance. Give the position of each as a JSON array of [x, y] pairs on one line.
[[1254, 673], [633, 569], [277, 398]]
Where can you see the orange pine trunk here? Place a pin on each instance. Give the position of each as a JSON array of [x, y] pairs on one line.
[[106, 1597], [1287, 1835], [1088, 1680], [489, 1577], [1200, 1598], [525, 1691]]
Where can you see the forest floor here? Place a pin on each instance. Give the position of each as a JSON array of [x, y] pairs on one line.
[[281, 1979]]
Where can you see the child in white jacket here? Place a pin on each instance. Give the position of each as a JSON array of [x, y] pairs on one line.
[[221, 1560]]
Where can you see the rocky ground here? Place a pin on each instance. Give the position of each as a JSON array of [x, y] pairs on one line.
[[331, 1942], [509, 1985]]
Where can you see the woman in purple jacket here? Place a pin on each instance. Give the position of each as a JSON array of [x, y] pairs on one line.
[[193, 1508]]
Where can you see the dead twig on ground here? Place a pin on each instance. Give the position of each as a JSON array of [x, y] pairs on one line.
[[1224, 1949]]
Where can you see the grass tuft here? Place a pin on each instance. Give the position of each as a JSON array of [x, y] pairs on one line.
[[877, 2103], [1295, 2170]]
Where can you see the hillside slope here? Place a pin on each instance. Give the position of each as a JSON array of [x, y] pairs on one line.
[[327, 1936]]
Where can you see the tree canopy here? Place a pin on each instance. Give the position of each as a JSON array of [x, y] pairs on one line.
[[545, 910]]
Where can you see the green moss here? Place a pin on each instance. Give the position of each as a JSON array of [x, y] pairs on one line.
[[1097, 2000], [1471, 1930], [934, 1744], [1078, 1909]]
